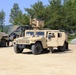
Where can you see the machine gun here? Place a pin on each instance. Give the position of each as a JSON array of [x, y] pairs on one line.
[[37, 23]]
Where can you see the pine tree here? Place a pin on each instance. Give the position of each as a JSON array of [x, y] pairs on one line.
[[15, 11], [2, 19]]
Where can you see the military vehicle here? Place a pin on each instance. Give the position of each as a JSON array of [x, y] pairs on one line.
[[3, 39], [16, 31], [39, 40]]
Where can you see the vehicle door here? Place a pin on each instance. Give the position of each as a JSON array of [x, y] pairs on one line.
[[52, 39]]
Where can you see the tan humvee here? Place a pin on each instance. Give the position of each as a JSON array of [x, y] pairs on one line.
[[39, 40]]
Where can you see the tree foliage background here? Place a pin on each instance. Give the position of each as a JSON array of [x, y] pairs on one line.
[[58, 14], [17, 17], [2, 19]]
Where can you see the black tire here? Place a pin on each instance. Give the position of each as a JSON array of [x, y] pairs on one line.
[[67, 45], [3, 43], [17, 49], [62, 48], [36, 49], [59, 48], [45, 49]]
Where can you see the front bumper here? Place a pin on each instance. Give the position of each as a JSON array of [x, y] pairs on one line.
[[23, 46]]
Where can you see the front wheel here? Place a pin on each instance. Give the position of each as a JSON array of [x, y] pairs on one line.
[[36, 48], [17, 49]]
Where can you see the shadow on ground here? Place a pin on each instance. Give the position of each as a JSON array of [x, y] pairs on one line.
[[64, 51], [47, 51]]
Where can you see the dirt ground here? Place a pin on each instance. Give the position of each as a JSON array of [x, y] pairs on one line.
[[58, 63]]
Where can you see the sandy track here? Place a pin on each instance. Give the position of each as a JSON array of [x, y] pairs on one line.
[[59, 63]]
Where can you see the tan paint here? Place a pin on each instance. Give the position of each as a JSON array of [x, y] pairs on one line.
[[54, 41], [61, 39], [36, 23]]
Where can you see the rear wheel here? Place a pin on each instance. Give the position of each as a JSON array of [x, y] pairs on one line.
[[17, 49], [63, 48], [67, 45], [36, 49]]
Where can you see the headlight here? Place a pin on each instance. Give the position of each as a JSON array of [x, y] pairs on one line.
[[33, 40]]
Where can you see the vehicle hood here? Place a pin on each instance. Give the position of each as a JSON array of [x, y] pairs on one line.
[[29, 38]]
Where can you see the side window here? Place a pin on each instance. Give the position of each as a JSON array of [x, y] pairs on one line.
[[59, 35], [51, 35]]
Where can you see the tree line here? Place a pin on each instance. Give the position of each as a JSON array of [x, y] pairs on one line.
[[58, 14]]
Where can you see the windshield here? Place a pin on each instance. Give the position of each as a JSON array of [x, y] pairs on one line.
[[29, 33], [40, 33]]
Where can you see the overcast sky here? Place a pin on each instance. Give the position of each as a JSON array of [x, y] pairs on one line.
[[6, 5]]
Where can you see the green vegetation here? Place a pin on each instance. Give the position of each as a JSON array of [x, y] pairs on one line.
[[17, 17], [15, 11], [56, 15], [71, 37], [2, 19], [5, 29]]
